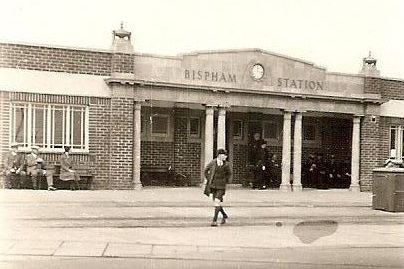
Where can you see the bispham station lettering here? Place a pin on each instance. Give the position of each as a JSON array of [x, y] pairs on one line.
[[213, 76], [300, 84]]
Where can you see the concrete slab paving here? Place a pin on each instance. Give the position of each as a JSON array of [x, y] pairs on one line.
[[33, 248], [128, 250], [93, 249]]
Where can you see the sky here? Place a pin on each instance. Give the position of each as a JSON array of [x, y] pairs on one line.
[[335, 34]]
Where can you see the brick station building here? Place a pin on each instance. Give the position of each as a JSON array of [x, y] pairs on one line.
[[124, 112]]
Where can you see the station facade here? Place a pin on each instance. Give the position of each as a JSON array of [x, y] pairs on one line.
[[124, 112]]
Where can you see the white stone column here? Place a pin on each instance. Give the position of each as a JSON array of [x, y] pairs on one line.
[[286, 147], [137, 184], [297, 153], [209, 135], [355, 154], [221, 129]]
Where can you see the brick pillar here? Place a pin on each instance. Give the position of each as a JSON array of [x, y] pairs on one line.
[[369, 151], [121, 143]]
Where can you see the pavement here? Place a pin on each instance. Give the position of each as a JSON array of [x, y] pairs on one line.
[[265, 226]]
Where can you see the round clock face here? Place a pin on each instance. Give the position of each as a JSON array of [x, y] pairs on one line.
[[258, 71]]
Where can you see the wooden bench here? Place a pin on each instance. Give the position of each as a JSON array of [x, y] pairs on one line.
[[84, 171], [161, 175]]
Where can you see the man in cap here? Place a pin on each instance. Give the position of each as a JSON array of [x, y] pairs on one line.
[[218, 174], [36, 169], [66, 171], [14, 168]]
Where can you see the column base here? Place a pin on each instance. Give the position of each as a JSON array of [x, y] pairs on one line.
[[285, 187], [297, 187], [138, 186], [354, 188]]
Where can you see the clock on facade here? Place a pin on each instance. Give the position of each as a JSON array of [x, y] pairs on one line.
[[257, 71]]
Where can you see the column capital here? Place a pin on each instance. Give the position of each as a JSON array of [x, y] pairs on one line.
[[287, 115], [209, 110], [222, 111], [357, 119], [137, 105]]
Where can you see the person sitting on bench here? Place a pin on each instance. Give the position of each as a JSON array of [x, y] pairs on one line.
[[36, 169], [66, 171]]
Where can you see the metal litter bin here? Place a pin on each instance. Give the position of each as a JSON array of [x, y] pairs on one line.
[[388, 189]]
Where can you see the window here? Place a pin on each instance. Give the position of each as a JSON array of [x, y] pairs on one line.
[[396, 142], [194, 127], [238, 129], [309, 132], [49, 126], [271, 130], [159, 125]]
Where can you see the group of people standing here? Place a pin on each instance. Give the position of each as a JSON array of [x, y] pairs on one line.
[[265, 165], [28, 170]]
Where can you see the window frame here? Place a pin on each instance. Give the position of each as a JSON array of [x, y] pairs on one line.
[[167, 133], [241, 136], [277, 131], [194, 135], [397, 152], [48, 126]]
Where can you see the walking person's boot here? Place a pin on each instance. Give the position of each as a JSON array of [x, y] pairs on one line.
[[214, 222], [225, 216]]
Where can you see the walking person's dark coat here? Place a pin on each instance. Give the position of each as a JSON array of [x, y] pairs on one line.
[[218, 174]]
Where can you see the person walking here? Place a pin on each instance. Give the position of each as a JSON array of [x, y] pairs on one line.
[[218, 174]]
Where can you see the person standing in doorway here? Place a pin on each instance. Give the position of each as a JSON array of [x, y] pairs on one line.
[[218, 174]]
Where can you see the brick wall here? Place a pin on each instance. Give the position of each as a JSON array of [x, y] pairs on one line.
[[187, 155], [370, 150], [4, 129], [388, 88], [375, 135], [100, 136], [122, 63], [240, 169], [157, 153], [121, 143], [392, 89], [99, 112], [45, 58]]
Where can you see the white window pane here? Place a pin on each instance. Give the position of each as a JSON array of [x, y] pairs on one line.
[[39, 124], [58, 128], [19, 129], [77, 129]]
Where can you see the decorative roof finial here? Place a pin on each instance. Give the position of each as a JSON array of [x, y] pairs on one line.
[[369, 66]]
